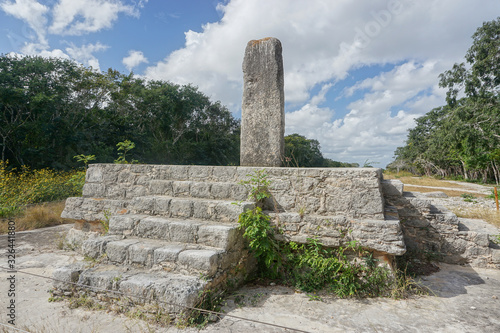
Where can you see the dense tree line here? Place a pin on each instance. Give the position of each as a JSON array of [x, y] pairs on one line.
[[54, 109], [303, 152], [462, 138]]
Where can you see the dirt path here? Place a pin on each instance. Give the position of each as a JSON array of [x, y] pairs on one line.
[[464, 300]]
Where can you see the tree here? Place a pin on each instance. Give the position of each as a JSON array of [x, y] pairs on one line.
[[302, 152], [54, 109], [462, 137]]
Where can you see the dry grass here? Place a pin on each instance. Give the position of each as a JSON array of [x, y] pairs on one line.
[[38, 216], [450, 193], [422, 181], [489, 215]]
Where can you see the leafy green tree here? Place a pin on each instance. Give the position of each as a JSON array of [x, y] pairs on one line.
[[54, 109], [462, 138], [302, 152]]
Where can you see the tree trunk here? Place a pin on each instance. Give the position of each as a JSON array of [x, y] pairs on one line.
[[465, 170]]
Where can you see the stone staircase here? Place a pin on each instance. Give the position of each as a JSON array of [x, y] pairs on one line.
[[173, 232], [174, 243], [434, 231]]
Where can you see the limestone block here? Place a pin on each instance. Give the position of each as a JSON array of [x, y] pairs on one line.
[[200, 190], [199, 173], [221, 191], [168, 253], [115, 191], [117, 250], [228, 212], [202, 260], [154, 227], [95, 190], [138, 285], [162, 205], [204, 210], [220, 236], [224, 174], [123, 224], [183, 231], [178, 289], [238, 192], [263, 105], [495, 256], [143, 204], [161, 187], [136, 191], [392, 187], [69, 273], [181, 207], [181, 188], [142, 253], [95, 247], [179, 172], [125, 176], [71, 208], [94, 174], [100, 277]]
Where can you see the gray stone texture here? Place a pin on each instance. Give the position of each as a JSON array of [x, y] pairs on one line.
[[181, 221], [263, 105], [434, 231]]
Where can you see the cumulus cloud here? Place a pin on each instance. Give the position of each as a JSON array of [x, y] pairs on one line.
[[134, 59], [85, 54], [31, 12], [77, 17], [323, 42]]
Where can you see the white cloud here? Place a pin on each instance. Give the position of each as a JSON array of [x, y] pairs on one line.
[[370, 130], [30, 11], [85, 54], [323, 41], [134, 59], [77, 17]]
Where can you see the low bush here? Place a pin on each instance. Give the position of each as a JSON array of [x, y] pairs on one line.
[[19, 188], [346, 271]]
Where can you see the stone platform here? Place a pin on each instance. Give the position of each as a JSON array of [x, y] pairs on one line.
[[173, 230]]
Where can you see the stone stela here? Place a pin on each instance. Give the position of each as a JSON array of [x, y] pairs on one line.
[[263, 105]]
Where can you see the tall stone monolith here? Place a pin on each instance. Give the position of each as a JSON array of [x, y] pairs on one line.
[[263, 106]]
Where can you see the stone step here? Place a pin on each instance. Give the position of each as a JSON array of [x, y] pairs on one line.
[[222, 211], [161, 255], [193, 231], [170, 187], [92, 209], [171, 291], [199, 189], [380, 235]]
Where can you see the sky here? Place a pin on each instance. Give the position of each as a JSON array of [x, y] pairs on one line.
[[357, 72]]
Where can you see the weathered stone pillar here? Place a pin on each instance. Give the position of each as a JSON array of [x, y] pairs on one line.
[[263, 106]]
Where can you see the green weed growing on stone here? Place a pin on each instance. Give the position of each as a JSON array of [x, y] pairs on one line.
[[123, 148], [468, 197], [260, 233], [85, 159], [309, 267], [105, 222], [258, 186]]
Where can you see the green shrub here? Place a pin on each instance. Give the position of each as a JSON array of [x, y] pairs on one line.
[[19, 188], [311, 266]]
